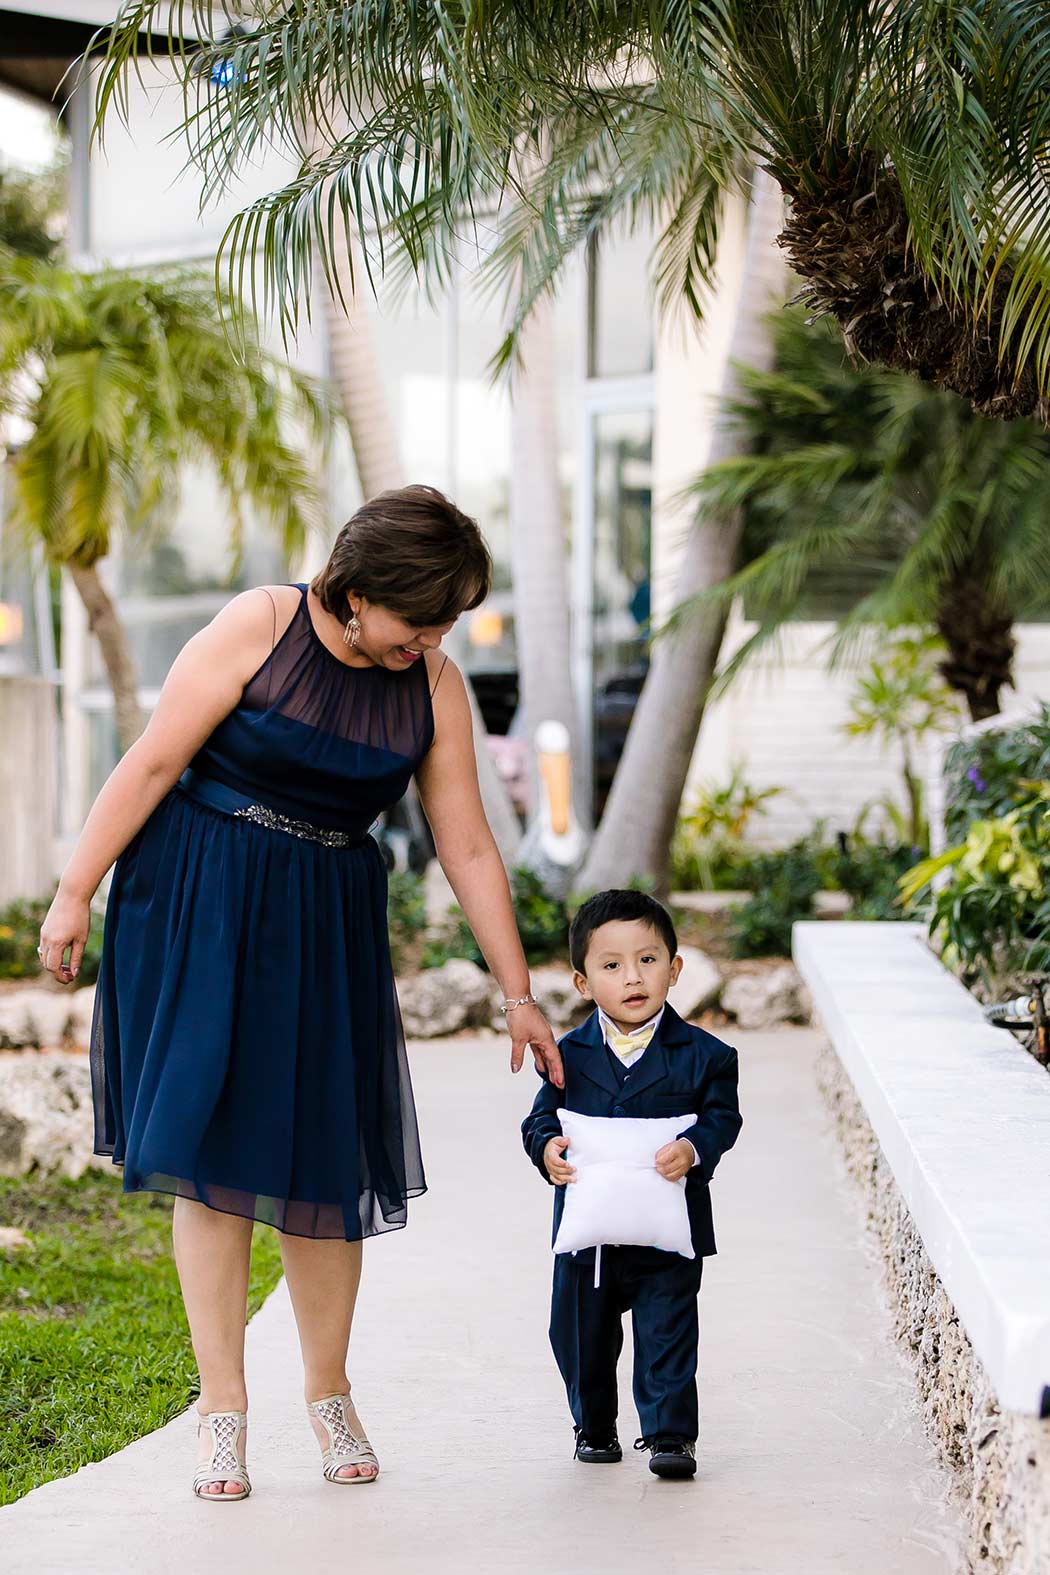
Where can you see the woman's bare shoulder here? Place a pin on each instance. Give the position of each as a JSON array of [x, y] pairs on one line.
[[258, 611], [442, 667]]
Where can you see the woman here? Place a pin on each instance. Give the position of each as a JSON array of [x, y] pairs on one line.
[[247, 1049]]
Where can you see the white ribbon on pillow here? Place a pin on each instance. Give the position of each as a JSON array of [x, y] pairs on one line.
[[619, 1198]]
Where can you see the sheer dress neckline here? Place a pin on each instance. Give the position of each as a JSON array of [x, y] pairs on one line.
[[304, 605]]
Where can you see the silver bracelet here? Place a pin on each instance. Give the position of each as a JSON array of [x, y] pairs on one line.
[[522, 1000]]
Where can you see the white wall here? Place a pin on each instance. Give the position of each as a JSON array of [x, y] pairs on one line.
[[782, 720]]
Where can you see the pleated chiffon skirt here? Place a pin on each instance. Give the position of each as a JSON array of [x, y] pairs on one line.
[[247, 1047]]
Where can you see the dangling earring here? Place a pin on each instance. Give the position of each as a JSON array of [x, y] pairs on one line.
[[352, 632]]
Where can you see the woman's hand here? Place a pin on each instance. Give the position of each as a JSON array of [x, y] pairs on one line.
[[64, 929], [529, 1029]]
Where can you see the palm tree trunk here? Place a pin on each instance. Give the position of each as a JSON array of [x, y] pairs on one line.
[[108, 630], [913, 792], [539, 559], [635, 833], [354, 369], [981, 644]]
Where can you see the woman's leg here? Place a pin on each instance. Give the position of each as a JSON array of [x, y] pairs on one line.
[[212, 1256], [323, 1276]]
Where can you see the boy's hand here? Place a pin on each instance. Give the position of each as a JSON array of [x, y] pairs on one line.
[[675, 1160], [555, 1163]]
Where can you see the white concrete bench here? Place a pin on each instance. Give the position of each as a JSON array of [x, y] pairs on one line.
[[962, 1114]]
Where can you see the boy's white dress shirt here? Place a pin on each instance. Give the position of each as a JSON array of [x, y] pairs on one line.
[[630, 1059]]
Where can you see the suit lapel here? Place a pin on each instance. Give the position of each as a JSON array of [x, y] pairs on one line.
[[671, 1031], [592, 1058], [649, 1069]]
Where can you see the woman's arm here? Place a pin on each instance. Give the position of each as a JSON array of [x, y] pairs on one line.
[[203, 685], [447, 780]]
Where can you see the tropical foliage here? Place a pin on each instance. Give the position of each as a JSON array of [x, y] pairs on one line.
[[20, 936], [32, 211], [989, 773], [785, 882], [119, 380], [939, 511], [900, 701], [542, 921], [909, 139], [992, 915], [783, 886], [709, 835]]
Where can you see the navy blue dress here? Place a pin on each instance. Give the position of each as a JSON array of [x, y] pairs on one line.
[[247, 1049]]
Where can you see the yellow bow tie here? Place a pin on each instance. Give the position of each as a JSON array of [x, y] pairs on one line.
[[626, 1044]]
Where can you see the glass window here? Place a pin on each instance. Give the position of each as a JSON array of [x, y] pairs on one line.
[[621, 591], [619, 305]]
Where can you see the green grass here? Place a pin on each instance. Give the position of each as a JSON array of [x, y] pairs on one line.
[[94, 1346]]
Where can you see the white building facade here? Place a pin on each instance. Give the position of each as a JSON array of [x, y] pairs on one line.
[[635, 405]]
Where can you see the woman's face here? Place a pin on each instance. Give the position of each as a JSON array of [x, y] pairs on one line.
[[392, 642]]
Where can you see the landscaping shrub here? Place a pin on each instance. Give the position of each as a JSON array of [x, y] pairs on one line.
[[989, 774], [707, 848], [992, 915], [784, 885], [543, 924], [869, 872], [406, 911], [20, 935]]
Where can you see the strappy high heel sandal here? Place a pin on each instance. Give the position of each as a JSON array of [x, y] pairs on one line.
[[345, 1447], [227, 1462]]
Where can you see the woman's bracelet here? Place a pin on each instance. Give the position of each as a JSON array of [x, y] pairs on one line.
[[508, 1006]]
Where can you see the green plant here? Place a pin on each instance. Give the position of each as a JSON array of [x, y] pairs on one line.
[[869, 872], [406, 911], [32, 210], [542, 920], [20, 935], [936, 512], [987, 774], [783, 885], [991, 913], [705, 848], [94, 1347], [909, 139], [900, 701], [120, 380]]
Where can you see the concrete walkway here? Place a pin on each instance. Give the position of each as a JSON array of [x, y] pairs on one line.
[[813, 1460]]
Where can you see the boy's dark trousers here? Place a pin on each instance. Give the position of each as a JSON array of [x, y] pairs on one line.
[[659, 1289]]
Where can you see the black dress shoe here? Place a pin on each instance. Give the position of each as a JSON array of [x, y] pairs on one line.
[[598, 1451], [670, 1456]]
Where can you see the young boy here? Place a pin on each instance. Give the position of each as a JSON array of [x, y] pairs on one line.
[[634, 1056]]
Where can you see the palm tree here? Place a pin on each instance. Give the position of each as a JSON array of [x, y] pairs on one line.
[[355, 373], [32, 210], [119, 381], [636, 830], [940, 512], [908, 139]]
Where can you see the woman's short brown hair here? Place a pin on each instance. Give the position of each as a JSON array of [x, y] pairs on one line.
[[412, 551]]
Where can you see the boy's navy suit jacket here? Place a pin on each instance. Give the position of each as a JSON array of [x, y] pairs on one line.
[[682, 1069]]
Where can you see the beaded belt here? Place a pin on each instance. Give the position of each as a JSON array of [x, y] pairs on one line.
[[207, 790]]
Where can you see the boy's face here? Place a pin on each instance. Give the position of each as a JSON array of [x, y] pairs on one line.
[[627, 971]]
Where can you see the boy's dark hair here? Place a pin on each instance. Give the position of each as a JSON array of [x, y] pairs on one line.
[[617, 903]]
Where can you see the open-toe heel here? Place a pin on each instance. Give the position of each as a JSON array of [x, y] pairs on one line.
[[227, 1461], [345, 1447]]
